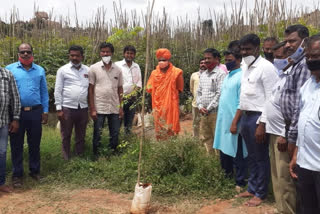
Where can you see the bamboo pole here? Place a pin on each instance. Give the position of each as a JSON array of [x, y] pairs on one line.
[[142, 137]]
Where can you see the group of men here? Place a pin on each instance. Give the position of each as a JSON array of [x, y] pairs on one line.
[[24, 104], [263, 114], [107, 88], [268, 116]]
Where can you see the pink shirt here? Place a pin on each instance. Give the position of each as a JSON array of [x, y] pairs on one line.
[[223, 67]]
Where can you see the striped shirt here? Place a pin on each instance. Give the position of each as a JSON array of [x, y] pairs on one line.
[[9, 98], [290, 97], [209, 89]]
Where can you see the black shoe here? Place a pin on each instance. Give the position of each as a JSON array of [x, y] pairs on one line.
[[17, 182]]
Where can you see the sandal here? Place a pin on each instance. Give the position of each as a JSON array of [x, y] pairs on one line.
[[254, 202], [245, 194]]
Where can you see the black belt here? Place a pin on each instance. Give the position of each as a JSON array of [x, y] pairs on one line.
[[251, 112], [31, 108]]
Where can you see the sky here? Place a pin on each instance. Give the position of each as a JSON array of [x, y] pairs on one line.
[[87, 8]]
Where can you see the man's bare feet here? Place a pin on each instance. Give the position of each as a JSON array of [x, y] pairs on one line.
[[245, 194], [254, 202], [5, 188]]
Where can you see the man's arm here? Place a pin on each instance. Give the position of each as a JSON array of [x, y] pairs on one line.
[[269, 78], [58, 90], [93, 112], [199, 94], [192, 84], [302, 75], [15, 103], [91, 91], [139, 83], [44, 97], [234, 124], [293, 164], [58, 94], [120, 94], [180, 82]]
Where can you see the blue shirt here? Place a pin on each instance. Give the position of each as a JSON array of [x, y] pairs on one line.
[[32, 85], [308, 143], [229, 103]]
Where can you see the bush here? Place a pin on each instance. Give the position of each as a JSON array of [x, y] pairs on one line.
[[178, 167]]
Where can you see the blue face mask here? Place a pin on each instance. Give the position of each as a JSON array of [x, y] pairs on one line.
[[280, 64], [231, 65], [296, 55]]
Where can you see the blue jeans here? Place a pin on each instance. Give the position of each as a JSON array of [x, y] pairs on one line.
[[3, 153], [258, 156], [30, 123], [228, 163], [114, 126]]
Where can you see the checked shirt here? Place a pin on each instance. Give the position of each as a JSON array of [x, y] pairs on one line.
[[9, 98]]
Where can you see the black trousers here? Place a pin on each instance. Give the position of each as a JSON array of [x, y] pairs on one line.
[[30, 123], [309, 189]]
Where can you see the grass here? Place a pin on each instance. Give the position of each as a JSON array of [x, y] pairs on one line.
[[178, 168]]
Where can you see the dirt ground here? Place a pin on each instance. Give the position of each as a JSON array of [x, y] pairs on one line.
[[61, 201], [103, 201]]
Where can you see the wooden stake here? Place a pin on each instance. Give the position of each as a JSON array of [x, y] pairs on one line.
[[149, 15]]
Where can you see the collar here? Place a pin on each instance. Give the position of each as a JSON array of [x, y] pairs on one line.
[[102, 65], [21, 66], [201, 71], [234, 71], [214, 70], [124, 63], [299, 60], [313, 78], [256, 62], [71, 66]]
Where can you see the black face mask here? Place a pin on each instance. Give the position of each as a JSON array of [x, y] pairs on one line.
[[313, 65], [269, 56]]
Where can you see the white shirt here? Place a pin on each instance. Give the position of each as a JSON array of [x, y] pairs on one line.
[[308, 143], [256, 85], [131, 76], [71, 89], [274, 119]]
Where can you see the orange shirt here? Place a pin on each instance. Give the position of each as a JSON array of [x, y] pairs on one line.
[[164, 89]]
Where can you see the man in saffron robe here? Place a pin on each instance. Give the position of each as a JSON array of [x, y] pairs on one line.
[[164, 85]]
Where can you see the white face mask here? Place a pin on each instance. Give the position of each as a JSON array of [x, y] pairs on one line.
[[76, 65], [106, 59], [249, 59], [280, 64], [296, 55]]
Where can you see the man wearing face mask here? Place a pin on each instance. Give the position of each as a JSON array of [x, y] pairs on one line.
[[32, 85], [259, 76], [304, 165], [283, 185], [164, 84], [105, 97], [71, 100], [194, 84], [227, 138], [268, 43], [290, 98], [132, 84], [208, 95]]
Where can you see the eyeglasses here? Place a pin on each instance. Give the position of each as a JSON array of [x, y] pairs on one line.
[[162, 60], [24, 52]]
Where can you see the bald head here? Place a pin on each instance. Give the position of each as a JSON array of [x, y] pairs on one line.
[[25, 46]]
